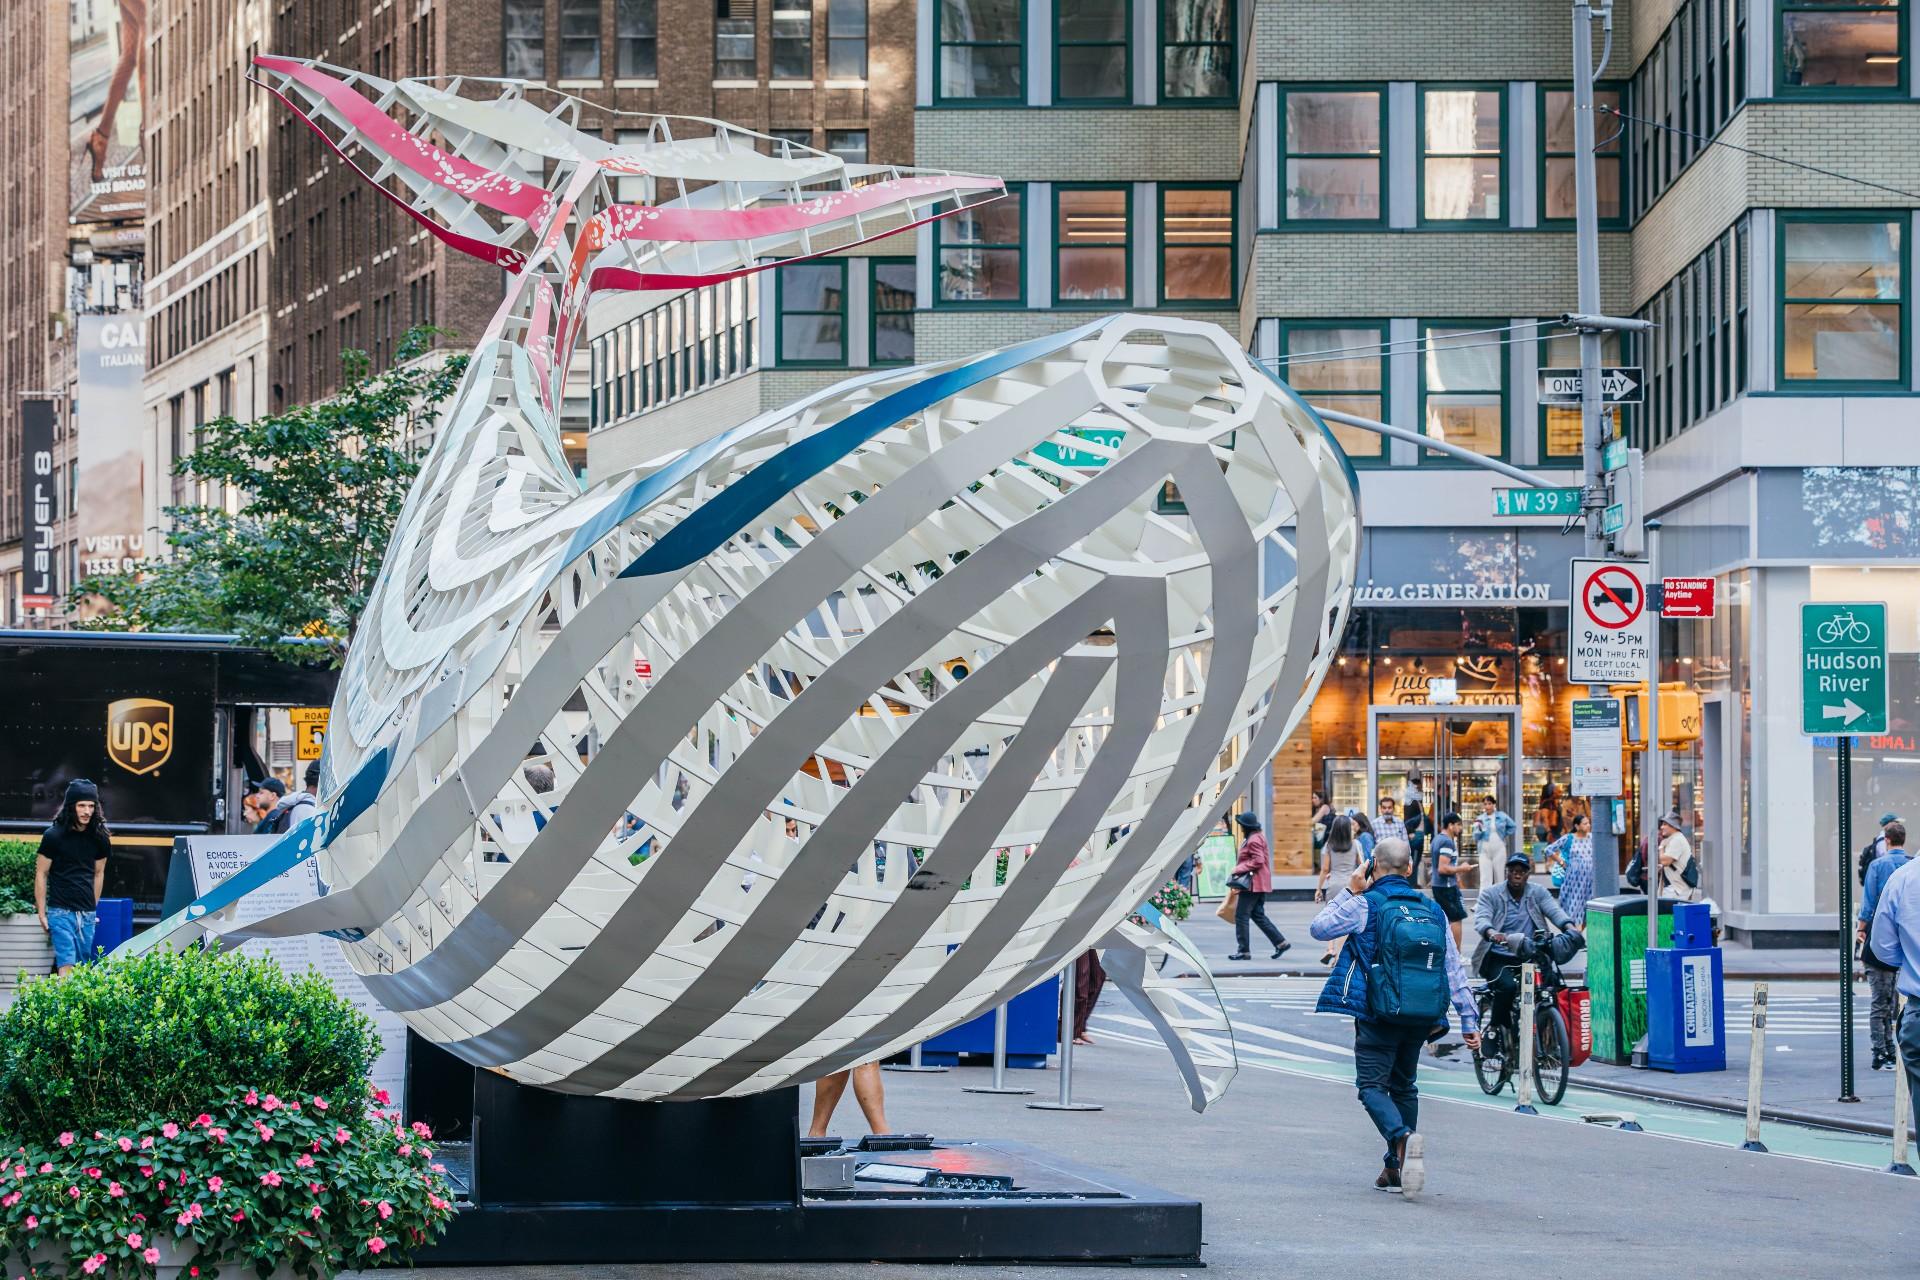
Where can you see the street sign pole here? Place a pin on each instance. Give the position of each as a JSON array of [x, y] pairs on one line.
[[1845, 752], [1652, 784]]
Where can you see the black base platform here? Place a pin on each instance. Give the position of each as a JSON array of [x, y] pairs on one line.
[[546, 1178]]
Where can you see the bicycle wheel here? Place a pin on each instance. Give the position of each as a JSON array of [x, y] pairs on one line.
[[1489, 1069], [1859, 633], [1552, 1051]]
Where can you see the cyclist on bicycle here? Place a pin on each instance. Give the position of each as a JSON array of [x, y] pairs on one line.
[[1508, 919]]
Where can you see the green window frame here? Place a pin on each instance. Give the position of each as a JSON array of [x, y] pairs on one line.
[[1556, 162], [1480, 348], [831, 269], [965, 44], [1093, 234], [1562, 351], [1194, 55], [1098, 47], [963, 236], [1198, 231], [1898, 306], [887, 298], [1795, 20], [1450, 156], [1326, 362], [1330, 161]]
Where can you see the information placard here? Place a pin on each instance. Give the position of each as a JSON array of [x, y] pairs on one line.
[[1596, 747]]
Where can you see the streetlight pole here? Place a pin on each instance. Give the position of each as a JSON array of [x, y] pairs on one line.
[[1594, 427]]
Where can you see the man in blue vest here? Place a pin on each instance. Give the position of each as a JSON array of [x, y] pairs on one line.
[[1389, 981]]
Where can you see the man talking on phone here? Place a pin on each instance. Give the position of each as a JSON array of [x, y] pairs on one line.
[[1395, 979]]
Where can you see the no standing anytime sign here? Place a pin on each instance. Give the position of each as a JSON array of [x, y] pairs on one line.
[[1610, 631]]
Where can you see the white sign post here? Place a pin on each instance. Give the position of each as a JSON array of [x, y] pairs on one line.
[[1610, 628]]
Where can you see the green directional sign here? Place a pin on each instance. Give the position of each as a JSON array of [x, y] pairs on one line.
[[1064, 455], [1536, 502], [1843, 668], [1614, 518], [1614, 456]]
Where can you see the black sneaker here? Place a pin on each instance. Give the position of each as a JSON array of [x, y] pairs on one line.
[[1240, 955], [1282, 949]]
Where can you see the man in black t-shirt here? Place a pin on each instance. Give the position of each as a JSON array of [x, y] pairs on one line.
[[69, 872]]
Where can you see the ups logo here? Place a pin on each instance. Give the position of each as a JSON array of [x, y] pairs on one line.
[[139, 733]]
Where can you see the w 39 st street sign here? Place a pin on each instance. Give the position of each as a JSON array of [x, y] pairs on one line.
[[1843, 668]]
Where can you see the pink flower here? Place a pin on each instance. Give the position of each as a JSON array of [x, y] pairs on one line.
[[203, 1119], [420, 1127], [115, 1189], [66, 1139], [314, 1212], [93, 1173], [217, 1134], [252, 1099], [126, 1144], [10, 1200], [269, 1103], [94, 1263], [32, 1222], [316, 1187], [270, 1179], [47, 1167], [133, 1240], [406, 1148], [319, 1104], [172, 1130], [74, 1192], [240, 1216], [146, 1144], [382, 1097], [266, 1131], [146, 1171], [376, 1244], [341, 1135], [439, 1168], [215, 1183], [304, 1162], [385, 1210], [151, 1254]]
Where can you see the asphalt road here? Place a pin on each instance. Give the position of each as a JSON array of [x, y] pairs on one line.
[[1285, 1162]]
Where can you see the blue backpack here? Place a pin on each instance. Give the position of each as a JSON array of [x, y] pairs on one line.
[[1407, 978]]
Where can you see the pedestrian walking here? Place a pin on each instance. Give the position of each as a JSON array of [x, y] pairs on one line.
[[1895, 938], [1446, 873], [1388, 825], [1679, 870], [1546, 815], [1882, 978], [869, 1090], [1253, 877], [292, 810], [69, 873], [1417, 821], [1573, 853], [1344, 853], [1494, 833], [1322, 821], [1876, 847], [265, 796], [1395, 981], [1089, 979]]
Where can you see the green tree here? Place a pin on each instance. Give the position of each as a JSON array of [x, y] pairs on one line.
[[323, 485]]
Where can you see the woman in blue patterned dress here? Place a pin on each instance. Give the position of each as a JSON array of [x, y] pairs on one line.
[[1574, 853]]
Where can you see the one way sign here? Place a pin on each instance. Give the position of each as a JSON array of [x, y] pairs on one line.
[[1619, 384]]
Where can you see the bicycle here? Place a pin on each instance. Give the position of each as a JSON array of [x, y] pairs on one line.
[[1843, 624], [1497, 1060]]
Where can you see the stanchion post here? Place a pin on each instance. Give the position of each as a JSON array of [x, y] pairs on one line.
[[913, 1063], [999, 1084], [1523, 1087], [1066, 1102], [1902, 1105], [1756, 1066]]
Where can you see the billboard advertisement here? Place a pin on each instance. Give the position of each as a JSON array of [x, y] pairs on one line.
[[106, 91], [106, 415], [38, 493]]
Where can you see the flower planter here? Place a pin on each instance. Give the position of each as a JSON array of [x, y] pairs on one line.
[[24, 945], [173, 1263]]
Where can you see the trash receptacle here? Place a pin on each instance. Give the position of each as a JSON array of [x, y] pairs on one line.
[[113, 925], [1616, 970], [1688, 1031]]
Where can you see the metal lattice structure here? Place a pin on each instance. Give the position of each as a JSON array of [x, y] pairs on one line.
[[936, 693]]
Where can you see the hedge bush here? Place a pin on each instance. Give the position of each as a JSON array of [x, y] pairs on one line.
[[16, 875], [170, 1032]]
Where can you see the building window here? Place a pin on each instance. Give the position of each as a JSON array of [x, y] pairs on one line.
[[1091, 51], [980, 253], [892, 311], [1557, 197], [1341, 365], [798, 137], [1843, 299], [524, 23], [1091, 265], [733, 54], [1463, 388], [793, 43], [1693, 80], [1196, 244], [846, 39], [1695, 356], [580, 39], [848, 144], [1196, 51], [1461, 131], [636, 36], [1332, 160], [981, 50], [698, 339], [1560, 434], [1841, 45], [811, 300]]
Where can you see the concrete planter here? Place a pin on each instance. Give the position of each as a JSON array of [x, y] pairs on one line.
[[24, 946]]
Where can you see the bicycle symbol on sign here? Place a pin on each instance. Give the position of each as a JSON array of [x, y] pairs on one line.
[[1845, 624]]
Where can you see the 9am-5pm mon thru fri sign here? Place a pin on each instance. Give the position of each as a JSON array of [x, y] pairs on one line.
[[1843, 668], [1610, 628]]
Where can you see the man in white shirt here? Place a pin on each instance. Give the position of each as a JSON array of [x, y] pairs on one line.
[[1675, 855]]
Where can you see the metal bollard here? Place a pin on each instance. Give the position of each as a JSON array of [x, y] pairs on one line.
[[1523, 1086], [999, 1084], [1066, 1102], [912, 1063], [1902, 1104], [1756, 1065]]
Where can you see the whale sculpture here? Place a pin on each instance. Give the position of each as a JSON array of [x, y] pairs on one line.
[[790, 749]]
